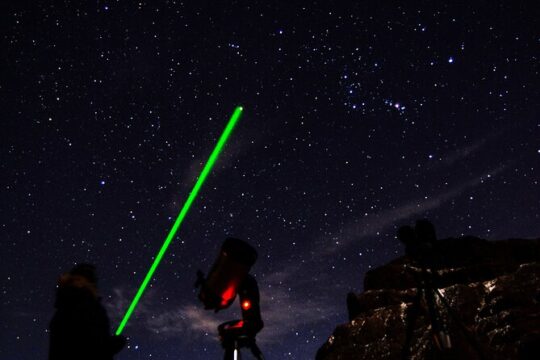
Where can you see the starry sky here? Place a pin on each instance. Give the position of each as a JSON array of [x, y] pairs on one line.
[[360, 116]]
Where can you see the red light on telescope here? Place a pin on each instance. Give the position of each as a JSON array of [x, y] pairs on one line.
[[237, 325], [228, 295], [246, 304]]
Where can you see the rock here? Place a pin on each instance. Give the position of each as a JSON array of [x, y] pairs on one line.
[[492, 292]]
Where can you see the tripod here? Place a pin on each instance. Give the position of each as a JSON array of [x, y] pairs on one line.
[[425, 291], [419, 245], [234, 336]]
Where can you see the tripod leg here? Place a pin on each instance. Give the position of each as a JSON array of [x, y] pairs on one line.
[[232, 352], [471, 339], [237, 355], [441, 337], [411, 315], [256, 352], [229, 354]]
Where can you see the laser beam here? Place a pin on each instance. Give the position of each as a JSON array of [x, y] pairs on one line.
[[192, 195]]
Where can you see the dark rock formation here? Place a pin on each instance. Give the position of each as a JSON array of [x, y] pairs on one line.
[[492, 289]]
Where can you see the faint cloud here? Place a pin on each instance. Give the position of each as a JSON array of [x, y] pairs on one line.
[[228, 156], [188, 322], [227, 159], [371, 224], [463, 152], [283, 311], [468, 150]]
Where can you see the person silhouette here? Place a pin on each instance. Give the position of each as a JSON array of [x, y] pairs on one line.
[[80, 328]]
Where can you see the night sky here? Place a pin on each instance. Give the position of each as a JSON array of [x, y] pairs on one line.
[[359, 117]]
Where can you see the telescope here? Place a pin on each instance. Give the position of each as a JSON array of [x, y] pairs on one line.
[[229, 277]]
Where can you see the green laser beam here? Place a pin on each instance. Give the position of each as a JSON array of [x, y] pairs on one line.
[[202, 177]]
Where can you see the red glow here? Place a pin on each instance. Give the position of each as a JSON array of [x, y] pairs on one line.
[[238, 325], [228, 295], [246, 304]]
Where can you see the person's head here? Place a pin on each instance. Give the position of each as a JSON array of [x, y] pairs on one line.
[[87, 271], [82, 276]]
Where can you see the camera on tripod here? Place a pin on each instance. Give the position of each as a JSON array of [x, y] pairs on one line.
[[421, 246], [229, 277]]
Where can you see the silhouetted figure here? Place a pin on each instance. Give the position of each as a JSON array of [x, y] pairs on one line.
[[79, 329], [420, 243]]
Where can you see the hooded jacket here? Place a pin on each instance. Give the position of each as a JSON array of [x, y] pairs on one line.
[[80, 328]]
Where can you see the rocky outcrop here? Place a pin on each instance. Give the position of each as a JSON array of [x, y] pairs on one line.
[[492, 311]]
